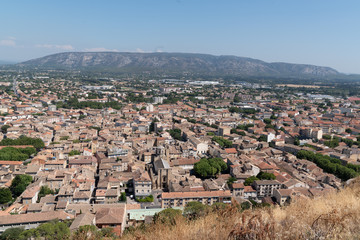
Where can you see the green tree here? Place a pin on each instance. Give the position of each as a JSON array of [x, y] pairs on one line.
[[16, 154], [12, 233], [108, 233], [195, 210], [23, 140], [222, 142], [149, 198], [231, 180], [64, 138], [262, 138], [87, 232], [53, 230], [329, 164], [267, 121], [45, 190], [74, 152], [19, 184], [167, 216], [249, 181], [266, 176], [176, 133], [122, 197], [5, 195], [209, 167], [5, 128], [333, 143]]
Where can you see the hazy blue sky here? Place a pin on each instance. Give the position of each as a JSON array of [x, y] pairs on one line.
[[320, 32]]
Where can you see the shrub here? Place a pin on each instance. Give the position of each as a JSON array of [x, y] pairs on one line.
[[222, 142], [249, 181], [149, 198], [266, 176], [195, 210], [74, 152], [168, 216]]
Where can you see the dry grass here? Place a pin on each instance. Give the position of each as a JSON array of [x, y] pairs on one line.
[[334, 216]]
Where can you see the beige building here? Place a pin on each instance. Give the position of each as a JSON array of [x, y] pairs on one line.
[[142, 185], [224, 130], [201, 147], [180, 199], [265, 188], [238, 189], [283, 196]]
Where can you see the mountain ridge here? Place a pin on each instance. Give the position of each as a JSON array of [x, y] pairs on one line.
[[188, 63]]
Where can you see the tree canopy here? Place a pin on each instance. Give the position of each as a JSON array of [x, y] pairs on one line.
[[19, 184], [74, 103], [53, 230], [209, 167], [329, 164], [175, 133], [5, 195], [12, 233], [266, 176], [195, 209], [16, 154], [222, 142], [23, 140], [249, 181], [168, 216], [74, 152]]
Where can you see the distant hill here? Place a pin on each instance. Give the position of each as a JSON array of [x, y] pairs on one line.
[[181, 63], [5, 62]]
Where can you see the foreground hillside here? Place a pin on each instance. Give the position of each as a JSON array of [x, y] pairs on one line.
[[334, 216]]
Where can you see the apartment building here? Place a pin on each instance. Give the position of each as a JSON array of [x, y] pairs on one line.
[[180, 199], [265, 188]]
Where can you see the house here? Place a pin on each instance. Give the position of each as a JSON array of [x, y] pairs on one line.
[[136, 217], [82, 220], [32, 169], [282, 196], [30, 195], [22, 108], [55, 164], [111, 217], [81, 196], [249, 192], [231, 151], [79, 161], [147, 157], [224, 130], [142, 185], [238, 189], [201, 147], [184, 163], [293, 183], [31, 220], [112, 195]]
